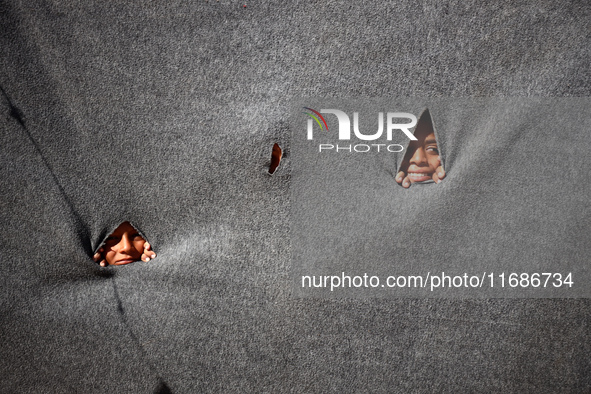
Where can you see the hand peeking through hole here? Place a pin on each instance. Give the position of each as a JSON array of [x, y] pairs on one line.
[[421, 162], [416, 173], [124, 246]]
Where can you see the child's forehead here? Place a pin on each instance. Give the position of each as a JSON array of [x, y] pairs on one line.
[[123, 228]]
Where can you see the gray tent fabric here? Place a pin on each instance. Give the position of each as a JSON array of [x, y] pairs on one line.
[[514, 201], [165, 114]]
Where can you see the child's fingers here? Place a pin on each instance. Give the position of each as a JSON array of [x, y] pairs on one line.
[[406, 183], [400, 177], [148, 255], [440, 172], [148, 251], [436, 178], [98, 256]]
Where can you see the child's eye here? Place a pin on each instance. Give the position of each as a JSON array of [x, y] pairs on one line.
[[432, 149]]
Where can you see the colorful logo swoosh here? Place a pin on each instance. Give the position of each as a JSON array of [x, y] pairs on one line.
[[316, 118]]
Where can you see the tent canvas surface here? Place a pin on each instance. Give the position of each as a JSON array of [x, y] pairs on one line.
[[165, 114]]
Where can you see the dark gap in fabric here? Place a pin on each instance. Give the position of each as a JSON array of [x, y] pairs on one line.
[[423, 159], [276, 155], [100, 250]]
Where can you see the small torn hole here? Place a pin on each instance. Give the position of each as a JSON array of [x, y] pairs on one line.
[[422, 162], [123, 246], [275, 158]]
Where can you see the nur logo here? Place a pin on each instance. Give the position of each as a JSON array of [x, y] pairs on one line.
[[344, 133]]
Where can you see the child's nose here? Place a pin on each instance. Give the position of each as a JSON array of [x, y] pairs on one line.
[[125, 243], [419, 157]]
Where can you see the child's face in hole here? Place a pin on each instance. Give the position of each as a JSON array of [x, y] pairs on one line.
[[124, 246], [422, 156]]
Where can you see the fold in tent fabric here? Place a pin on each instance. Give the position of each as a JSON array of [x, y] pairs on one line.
[[165, 115]]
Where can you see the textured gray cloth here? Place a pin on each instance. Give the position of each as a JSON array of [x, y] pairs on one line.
[[164, 114], [515, 200]]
